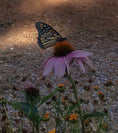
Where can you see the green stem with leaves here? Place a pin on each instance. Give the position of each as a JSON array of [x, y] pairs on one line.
[[78, 102]]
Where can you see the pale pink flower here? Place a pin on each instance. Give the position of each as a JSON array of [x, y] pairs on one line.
[[60, 64]]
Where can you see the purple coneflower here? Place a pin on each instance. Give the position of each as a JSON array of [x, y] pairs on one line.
[[63, 56], [30, 89]]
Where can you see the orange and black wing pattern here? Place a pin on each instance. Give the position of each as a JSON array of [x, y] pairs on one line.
[[47, 36]]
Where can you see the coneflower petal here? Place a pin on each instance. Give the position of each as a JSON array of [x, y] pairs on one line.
[[81, 65], [62, 67], [80, 53], [56, 65], [88, 62], [67, 62], [45, 62], [59, 67], [49, 66]]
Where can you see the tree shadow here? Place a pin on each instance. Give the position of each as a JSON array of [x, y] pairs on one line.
[[69, 18]]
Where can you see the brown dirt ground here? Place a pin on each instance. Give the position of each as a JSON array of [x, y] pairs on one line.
[[18, 17], [88, 24]]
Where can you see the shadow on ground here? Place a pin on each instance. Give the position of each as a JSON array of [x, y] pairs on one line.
[[70, 18]]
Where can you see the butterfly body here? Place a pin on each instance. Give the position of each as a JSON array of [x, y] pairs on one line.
[[47, 36]]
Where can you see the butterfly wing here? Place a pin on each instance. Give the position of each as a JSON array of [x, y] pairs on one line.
[[47, 36]]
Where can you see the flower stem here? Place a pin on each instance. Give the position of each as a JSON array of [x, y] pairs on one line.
[[47, 126], [58, 107], [10, 123], [99, 126], [78, 102]]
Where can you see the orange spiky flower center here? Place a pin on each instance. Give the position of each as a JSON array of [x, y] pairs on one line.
[[62, 49]]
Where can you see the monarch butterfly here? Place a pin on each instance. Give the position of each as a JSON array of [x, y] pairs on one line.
[[47, 36]]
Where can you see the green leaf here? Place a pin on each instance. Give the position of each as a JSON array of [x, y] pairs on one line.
[[26, 108], [95, 114], [16, 105], [3, 102], [45, 98]]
